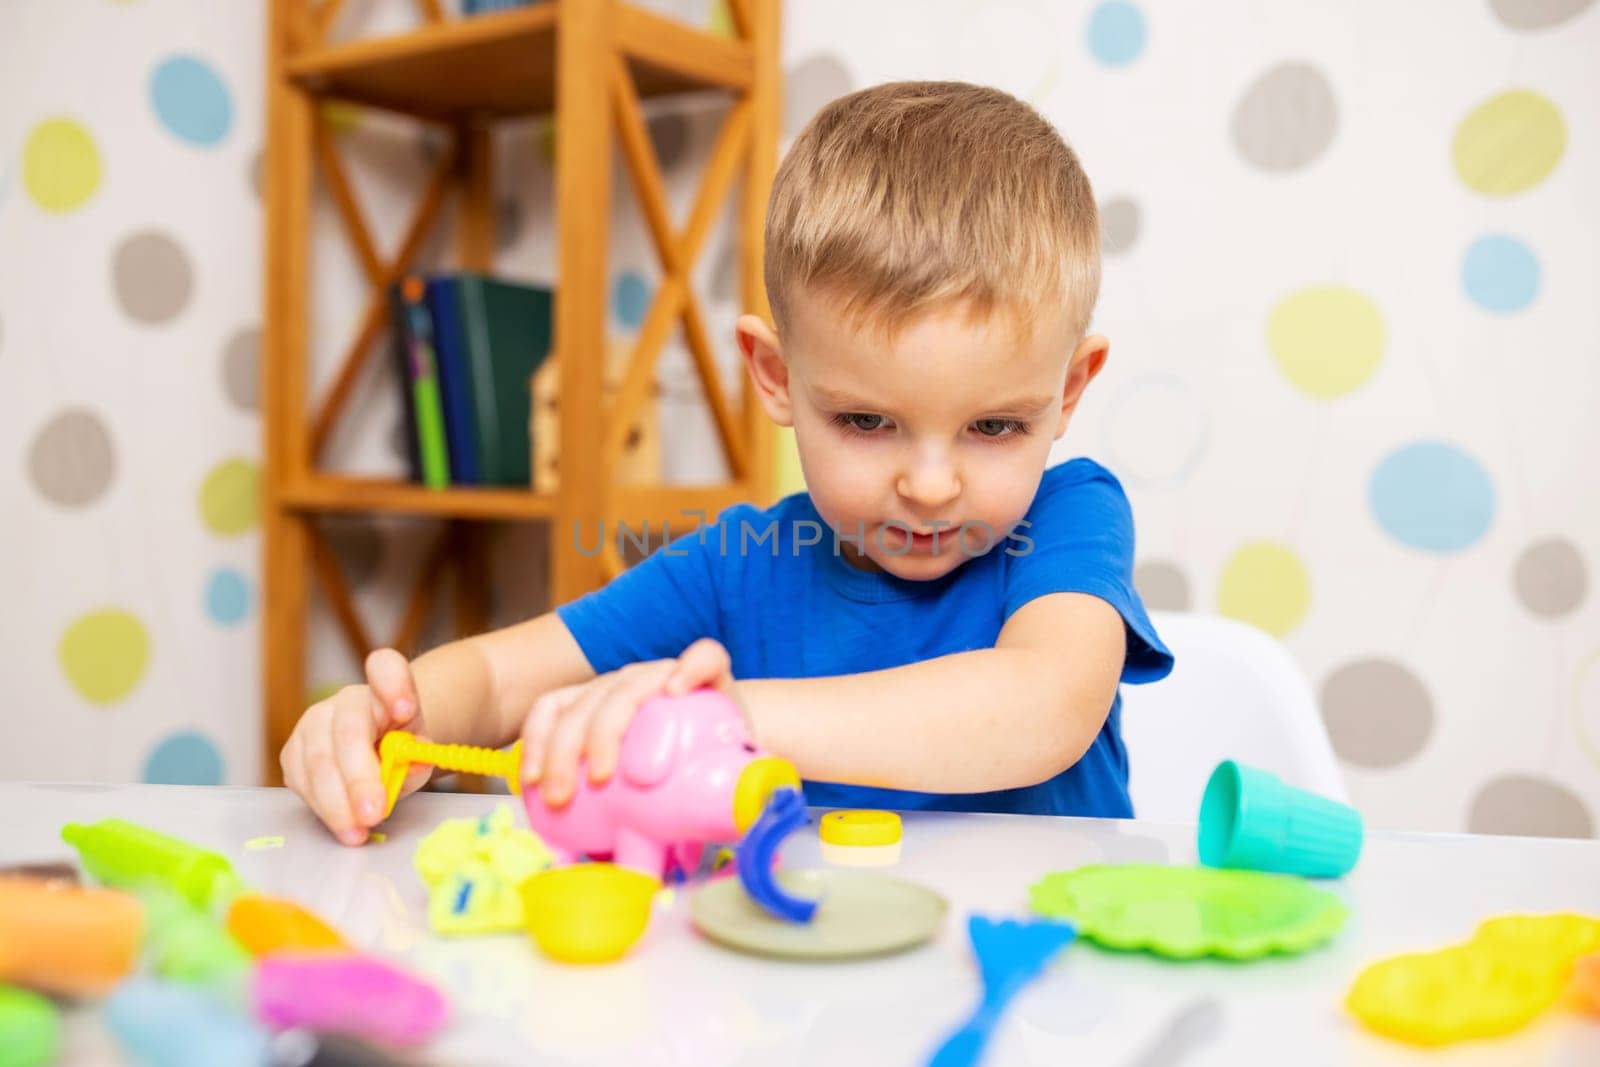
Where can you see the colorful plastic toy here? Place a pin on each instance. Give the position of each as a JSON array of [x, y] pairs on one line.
[[399, 749], [1187, 912], [860, 838], [588, 912], [62, 938], [347, 994], [126, 855], [758, 854], [687, 775], [161, 1023], [1010, 955], [262, 924], [859, 913], [30, 1029], [474, 870], [1511, 971], [1250, 819]]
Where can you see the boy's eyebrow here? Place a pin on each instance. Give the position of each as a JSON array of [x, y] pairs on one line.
[[1022, 405]]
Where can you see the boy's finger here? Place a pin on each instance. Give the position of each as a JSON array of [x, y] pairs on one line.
[[706, 662], [536, 729], [416, 778], [612, 717], [290, 762], [358, 761], [389, 676], [565, 748], [328, 798]]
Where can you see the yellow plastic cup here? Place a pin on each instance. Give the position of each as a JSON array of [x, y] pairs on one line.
[[589, 912]]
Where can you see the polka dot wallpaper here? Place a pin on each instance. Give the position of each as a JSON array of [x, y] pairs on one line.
[[1348, 285]]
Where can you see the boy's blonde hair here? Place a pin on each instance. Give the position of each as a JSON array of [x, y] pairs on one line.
[[907, 196]]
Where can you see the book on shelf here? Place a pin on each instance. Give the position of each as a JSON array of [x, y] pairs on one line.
[[483, 7], [466, 348], [480, 395], [455, 383], [505, 334], [422, 382]]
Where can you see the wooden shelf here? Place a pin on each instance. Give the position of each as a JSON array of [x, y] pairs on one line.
[[337, 493], [588, 63], [503, 64]]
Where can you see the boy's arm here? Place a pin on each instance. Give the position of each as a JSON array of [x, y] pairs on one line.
[[478, 690], [968, 722]]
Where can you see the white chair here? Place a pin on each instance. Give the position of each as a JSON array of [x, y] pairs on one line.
[[1234, 693]]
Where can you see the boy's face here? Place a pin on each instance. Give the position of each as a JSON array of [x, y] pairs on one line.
[[946, 423]]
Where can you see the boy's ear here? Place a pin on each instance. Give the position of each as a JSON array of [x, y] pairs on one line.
[[1087, 362], [763, 358]]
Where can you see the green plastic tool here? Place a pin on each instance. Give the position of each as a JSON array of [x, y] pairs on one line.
[[125, 855]]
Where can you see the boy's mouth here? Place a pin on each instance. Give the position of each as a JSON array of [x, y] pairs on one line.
[[897, 539]]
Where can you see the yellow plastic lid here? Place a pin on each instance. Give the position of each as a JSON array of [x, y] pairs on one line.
[[860, 828]]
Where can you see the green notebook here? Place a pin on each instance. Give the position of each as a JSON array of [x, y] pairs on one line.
[[506, 329]]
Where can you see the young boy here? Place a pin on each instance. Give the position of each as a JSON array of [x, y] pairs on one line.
[[938, 621]]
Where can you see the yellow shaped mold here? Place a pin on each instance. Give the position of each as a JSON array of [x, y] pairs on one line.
[[1512, 969]]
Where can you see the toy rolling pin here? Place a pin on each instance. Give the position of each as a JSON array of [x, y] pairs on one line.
[[125, 855]]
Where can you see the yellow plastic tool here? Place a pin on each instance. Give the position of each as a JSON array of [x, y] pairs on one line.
[[399, 749], [1512, 969], [588, 913]]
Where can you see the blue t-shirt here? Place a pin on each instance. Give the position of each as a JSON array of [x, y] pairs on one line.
[[786, 608]]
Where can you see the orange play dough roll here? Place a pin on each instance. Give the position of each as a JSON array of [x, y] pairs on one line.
[[66, 939], [271, 924]]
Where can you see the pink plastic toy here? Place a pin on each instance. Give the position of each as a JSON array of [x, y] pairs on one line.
[[348, 994], [688, 775]]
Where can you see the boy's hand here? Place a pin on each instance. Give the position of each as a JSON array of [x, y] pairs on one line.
[[587, 721], [331, 759]]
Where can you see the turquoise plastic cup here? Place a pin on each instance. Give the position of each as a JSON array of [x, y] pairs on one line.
[[1250, 819]]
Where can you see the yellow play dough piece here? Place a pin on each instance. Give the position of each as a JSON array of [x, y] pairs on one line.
[[1560, 938], [474, 870], [1514, 968]]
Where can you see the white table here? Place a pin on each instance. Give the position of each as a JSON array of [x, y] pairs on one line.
[[678, 999]]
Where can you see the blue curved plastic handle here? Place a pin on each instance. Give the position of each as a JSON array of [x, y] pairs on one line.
[[785, 812]]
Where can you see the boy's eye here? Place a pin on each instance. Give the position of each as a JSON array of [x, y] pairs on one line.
[[863, 423], [1000, 427]]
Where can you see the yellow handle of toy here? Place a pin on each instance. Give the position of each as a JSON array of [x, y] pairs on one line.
[[399, 749]]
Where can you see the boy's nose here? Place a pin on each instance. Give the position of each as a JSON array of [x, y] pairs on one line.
[[930, 485]]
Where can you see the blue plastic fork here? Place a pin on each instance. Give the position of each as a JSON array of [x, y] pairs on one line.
[[1011, 953]]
